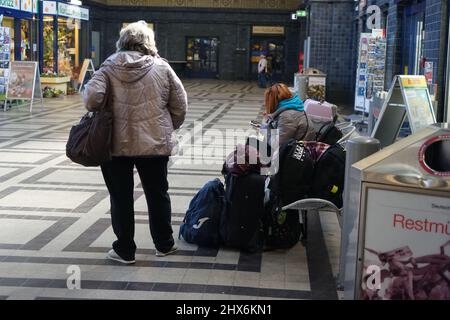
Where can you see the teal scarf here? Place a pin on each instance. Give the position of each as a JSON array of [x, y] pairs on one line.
[[293, 103]]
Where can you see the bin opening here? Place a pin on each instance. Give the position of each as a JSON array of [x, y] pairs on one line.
[[437, 156]]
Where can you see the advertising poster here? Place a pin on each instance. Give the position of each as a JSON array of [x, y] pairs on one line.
[[21, 80], [408, 239], [428, 71], [417, 99]]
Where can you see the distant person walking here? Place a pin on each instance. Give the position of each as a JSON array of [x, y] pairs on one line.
[[148, 103], [262, 70]]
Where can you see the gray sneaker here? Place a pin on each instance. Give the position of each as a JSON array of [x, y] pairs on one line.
[[112, 255], [163, 254]]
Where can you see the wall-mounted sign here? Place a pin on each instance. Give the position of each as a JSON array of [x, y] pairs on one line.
[[70, 11], [49, 7], [268, 30], [12, 4]]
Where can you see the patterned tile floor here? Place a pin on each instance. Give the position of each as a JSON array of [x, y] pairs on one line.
[[55, 215]]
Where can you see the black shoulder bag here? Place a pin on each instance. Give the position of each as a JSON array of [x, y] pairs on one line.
[[89, 142]]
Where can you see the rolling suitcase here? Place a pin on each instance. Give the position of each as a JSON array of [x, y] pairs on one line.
[[241, 225], [320, 112]]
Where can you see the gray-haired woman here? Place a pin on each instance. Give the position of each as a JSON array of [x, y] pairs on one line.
[[148, 103]]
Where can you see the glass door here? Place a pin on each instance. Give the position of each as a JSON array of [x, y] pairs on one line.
[[273, 49], [202, 57]]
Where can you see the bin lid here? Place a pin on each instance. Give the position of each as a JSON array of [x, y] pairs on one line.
[[312, 72], [421, 160]]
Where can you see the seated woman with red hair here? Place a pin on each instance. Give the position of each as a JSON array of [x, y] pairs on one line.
[[285, 112]]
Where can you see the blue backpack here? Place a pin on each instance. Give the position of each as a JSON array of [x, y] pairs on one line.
[[201, 222]]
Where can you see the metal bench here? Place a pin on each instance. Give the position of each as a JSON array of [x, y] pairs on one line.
[[313, 205]]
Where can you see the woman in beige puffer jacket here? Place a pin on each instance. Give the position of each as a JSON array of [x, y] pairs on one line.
[[148, 103]]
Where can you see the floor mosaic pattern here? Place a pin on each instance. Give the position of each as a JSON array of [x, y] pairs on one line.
[[55, 214]]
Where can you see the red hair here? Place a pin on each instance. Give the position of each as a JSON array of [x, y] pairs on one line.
[[274, 95]]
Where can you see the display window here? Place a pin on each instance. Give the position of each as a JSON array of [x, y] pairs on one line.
[[25, 41], [48, 37], [8, 22], [68, 46], [202, 57], [273, 49]]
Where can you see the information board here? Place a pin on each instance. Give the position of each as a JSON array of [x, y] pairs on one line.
[[411, 258], [418, 101], [409, 98]]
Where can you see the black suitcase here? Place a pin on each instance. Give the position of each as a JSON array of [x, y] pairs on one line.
[[242, 224]]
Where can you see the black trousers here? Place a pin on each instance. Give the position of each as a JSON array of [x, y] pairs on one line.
[[118, 175]]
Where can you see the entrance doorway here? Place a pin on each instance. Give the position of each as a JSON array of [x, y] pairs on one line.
[[413, 29], [202, 57], [273, 49]]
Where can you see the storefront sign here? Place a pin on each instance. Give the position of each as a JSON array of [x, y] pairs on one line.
[[12, 4], [71, 11], [407, 245], [49, 7], [268, 30], [26, 5]]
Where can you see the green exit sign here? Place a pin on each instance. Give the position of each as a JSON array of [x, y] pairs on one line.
[[301, 13]]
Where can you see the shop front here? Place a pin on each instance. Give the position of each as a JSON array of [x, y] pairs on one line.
[[202, 56], [64, 38], [18, 35], [269, 41]]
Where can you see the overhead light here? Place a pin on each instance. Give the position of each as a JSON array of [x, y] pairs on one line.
[[76, 2]]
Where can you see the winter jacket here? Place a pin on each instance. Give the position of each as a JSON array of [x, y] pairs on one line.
[[147, 100], [291, 121]]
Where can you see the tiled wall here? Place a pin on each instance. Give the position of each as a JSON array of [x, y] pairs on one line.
[[331, 32], [432, 41], [232, 27]]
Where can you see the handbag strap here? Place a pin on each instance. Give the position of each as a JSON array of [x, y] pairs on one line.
[[307, 127], [108, 96]]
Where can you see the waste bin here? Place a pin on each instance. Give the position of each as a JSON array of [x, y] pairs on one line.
[[398, 222], [310, 83]]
